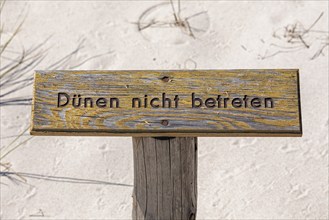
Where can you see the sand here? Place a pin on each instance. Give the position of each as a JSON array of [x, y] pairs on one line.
[[238, 178]]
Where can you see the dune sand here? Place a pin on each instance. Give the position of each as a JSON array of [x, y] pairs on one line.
[[238, 178]]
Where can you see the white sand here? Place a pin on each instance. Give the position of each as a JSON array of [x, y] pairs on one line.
[[238, 178]]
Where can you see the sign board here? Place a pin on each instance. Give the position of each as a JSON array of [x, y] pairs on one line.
[[167, 103]]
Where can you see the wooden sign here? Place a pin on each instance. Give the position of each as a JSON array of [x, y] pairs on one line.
[[167, 103]]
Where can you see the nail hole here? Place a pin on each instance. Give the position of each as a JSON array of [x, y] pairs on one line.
[[165, 79], [165, 122]]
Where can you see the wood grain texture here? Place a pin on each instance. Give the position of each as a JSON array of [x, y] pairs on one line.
[[283, 119], [165, 178]]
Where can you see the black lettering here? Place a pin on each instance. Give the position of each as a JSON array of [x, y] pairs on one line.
[[59, 98], [245, 99], [237, 103], [210, 102], [90, 101], [255, 103], [225, 102], [219, 100], [176, 99], [152, 103], [101, 102], [134, 102], [74, 104], [116, 100], [164, 100], [269, 100], [145, 101], [194, 100]]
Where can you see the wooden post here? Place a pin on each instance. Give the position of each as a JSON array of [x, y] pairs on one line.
[[165, 178]]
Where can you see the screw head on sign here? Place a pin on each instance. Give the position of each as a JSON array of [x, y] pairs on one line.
[[165, 122]]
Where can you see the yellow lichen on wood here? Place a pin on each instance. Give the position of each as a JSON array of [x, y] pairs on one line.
[[233, 103]]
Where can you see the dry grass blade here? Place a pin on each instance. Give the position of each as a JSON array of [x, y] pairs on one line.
[[314, 23], [178, 21], [16, 74], [88, 59], [174, 11], [7, 168], [11, 143], [324, 44], [16, 101], [2, 4], [66, 58], [62, 179], [18, 66], [3, 47], [15, 65], [14, 148], [295, 37]]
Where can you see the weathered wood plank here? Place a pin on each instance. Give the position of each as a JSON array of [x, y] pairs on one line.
[[171, 174], [164, 180], [140, 189], [239, 103]]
